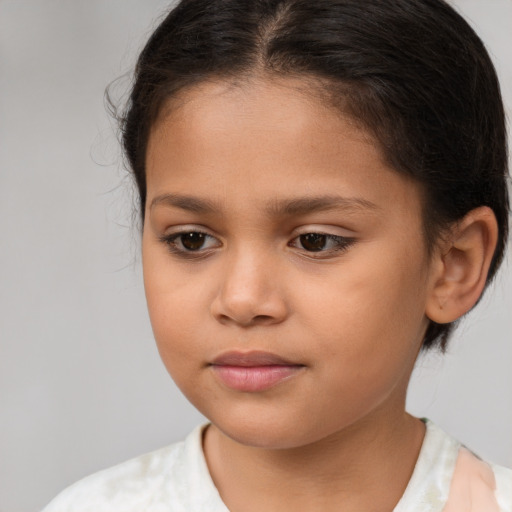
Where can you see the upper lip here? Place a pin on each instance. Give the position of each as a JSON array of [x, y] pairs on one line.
[[253, 358]]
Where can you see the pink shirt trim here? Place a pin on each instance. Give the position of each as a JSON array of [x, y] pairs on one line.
[[473, 486]]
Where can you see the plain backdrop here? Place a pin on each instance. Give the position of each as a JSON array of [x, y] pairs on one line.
[[81, 384]]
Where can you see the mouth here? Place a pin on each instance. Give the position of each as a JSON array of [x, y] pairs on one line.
[[253, 371]]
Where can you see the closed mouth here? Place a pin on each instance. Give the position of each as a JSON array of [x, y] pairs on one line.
[[254, 371], [251, 359]]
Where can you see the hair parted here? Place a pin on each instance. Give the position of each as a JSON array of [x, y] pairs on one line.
[[413, 73]]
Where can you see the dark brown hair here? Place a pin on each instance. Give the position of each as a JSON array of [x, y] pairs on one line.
[[412, 72]]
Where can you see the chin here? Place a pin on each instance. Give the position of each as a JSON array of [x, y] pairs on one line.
[[262, 437], [270, 434]]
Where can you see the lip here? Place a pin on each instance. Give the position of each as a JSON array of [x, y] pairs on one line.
[[253, 371], [250, 359]]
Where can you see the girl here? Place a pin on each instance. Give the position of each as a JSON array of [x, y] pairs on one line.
[[323, 194]]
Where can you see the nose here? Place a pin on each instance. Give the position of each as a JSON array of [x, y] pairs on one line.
[[250, 292]]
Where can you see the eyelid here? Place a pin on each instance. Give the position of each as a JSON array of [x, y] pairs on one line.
[[171, 229], [324, 229], [344, 241], [172, 234]]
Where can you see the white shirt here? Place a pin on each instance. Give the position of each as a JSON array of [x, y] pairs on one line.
[[176, 479]]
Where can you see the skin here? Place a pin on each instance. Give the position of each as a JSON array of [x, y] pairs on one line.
[[352, 316]]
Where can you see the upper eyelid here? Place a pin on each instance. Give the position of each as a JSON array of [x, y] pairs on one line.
[[321, 232], [346, 239], [170, 240], [344, 234], [187, 228], [175, 231], [176, 234], [345, 243]]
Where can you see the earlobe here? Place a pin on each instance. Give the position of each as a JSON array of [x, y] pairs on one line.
[[461, 266]]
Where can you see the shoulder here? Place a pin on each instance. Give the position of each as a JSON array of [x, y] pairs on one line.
[[486, 487], [478, 486], [450, 478], [156, 481], [503, 478], [119, 487]]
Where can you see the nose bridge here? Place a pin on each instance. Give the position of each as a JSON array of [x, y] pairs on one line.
[[250, 290]]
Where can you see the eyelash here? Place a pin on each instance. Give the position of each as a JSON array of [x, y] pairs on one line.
[[341, 244], [172, 240]]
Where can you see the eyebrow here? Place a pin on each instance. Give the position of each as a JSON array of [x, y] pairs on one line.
[[188, 203], [274, 208], [304, 205]]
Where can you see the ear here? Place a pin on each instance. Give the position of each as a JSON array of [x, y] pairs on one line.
[[460, 266]]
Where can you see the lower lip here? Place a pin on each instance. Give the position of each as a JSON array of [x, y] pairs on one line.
[[254, 378]]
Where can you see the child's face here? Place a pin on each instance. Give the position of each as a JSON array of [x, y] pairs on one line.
[[298, 241]]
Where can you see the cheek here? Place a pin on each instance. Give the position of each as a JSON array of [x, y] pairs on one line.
[[373, 306], [177, 332], [174, 302], [369, 336]]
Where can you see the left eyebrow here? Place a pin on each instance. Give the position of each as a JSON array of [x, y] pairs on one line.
[[305, 205]]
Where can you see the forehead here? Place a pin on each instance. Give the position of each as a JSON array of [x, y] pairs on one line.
[[276, 111], [266, 140]]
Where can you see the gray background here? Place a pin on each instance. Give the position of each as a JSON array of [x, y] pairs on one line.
[[81, 384]]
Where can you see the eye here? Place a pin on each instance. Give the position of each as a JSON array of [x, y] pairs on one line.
[[321, 242], [313, 241], [188, 242], [192, 241]]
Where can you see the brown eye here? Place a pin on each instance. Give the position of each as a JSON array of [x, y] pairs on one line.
[[191, 244], [322, 245], [313, 242], [192, 241]]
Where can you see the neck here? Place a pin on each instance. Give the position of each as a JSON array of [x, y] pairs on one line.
[[365, 467]]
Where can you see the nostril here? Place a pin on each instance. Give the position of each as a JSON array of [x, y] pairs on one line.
[[247, 306], [262, 319], [249, 321]]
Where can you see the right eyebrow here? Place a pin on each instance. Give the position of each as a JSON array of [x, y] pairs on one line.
[[188, 203], [306, 205]]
